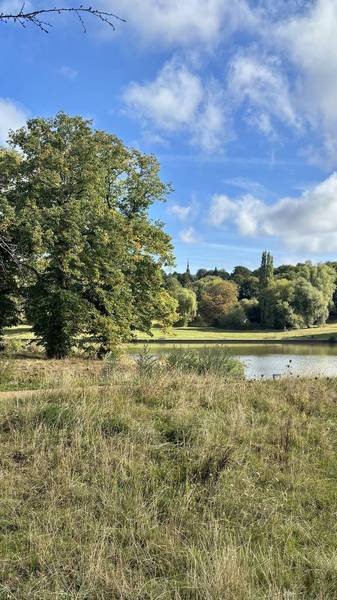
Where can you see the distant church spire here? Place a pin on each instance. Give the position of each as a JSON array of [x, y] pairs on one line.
[[188, 267]]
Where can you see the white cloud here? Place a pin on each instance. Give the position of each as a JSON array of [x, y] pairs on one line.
[[189, 236], [181, 212], [212, 126], [222, 209], [12, 116], [309, 42], [308, 222], [263, 87], [170, 100], [178, 101], [185, 23], [286, 77]]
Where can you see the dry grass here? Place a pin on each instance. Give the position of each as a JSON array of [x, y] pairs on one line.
[[170, 487]]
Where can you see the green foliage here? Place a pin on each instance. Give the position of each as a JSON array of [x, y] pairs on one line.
[[9, 259], [205, 360], [278, 299], [266, 275], [187, 305], [310, 303], [215, 297], [9, 307], [252, 309], [294, 303], [236, 318], [247, 283], [76, 202], [266, 272]]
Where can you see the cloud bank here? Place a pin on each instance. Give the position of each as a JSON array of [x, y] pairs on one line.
[[279, 78], [308, 222]]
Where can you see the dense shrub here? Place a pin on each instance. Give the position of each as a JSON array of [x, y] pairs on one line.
[[236, 318]]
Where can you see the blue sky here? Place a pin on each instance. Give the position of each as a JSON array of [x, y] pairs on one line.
[[237, 99]]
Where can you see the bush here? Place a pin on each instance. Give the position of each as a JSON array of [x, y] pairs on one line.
[[206, 360], [236, 318]]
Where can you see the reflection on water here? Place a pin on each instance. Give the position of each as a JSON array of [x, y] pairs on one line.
[[295, 360], [290, 364], [266, 361]]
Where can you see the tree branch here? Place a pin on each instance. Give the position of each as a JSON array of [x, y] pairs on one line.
[[37, 17]]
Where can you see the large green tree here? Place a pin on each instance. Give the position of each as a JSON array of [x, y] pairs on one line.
[[9, 257], [215, 297], [266, 276], [247, 282], [279, 298], [77, 203], [310, 303], [187, 305]]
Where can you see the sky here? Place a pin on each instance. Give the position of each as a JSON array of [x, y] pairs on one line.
[[237, 99]]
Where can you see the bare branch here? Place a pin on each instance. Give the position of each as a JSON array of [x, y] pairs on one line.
[[38, 17], [8, 253]]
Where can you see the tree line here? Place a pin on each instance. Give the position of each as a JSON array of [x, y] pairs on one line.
[[289, 296]]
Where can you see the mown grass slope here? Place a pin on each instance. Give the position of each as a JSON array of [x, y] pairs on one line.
[[323, 332], [170, 486]]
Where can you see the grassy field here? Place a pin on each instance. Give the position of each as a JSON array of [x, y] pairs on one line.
[[20, 332], [164, 485], [211, 333]]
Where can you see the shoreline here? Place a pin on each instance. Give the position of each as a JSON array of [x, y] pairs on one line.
[[225, 341]]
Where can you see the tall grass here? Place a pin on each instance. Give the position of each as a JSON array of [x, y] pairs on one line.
[[204, 360], [170, 486]]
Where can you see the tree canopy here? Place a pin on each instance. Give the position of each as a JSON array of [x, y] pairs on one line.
[[289, 296], [215, 297], [74, 203]]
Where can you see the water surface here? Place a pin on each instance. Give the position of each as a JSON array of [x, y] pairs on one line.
[[265, 361]]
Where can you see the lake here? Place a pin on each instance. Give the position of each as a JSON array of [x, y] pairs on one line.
[[263, 361]]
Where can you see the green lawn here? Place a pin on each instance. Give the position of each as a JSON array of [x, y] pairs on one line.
[[22, 332], [211, 333]]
